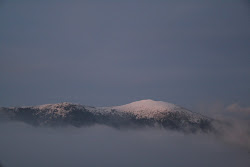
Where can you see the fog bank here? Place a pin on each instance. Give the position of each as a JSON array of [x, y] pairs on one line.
[[22, 145]]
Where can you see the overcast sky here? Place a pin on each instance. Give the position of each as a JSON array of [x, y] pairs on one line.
[[115, 52]]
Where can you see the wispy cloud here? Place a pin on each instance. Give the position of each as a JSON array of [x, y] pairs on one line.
[[238, 109]]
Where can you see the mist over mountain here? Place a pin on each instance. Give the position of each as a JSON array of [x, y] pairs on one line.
[[24, 145]]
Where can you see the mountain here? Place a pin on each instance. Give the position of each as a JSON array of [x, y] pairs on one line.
[[144, 113]]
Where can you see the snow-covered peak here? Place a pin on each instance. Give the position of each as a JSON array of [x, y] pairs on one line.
[[144, 105], [147, 108]]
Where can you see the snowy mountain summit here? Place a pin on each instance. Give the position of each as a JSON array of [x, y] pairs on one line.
[[147, 108], [143, 113]]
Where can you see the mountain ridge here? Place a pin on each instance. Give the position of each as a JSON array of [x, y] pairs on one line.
[[143, 113]]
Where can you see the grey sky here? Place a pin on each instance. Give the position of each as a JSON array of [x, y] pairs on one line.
[[111, 53]]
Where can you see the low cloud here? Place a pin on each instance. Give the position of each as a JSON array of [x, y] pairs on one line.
[[232, 122], [23, 146], [237, 108]]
